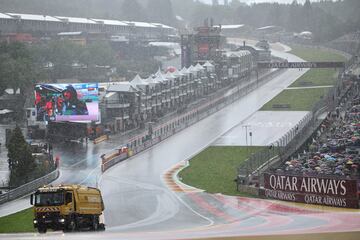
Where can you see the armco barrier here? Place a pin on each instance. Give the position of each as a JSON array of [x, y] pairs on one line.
[[28, 187], [137, 144]]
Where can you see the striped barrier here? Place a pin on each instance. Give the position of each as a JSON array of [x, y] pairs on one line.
[[101, 139]]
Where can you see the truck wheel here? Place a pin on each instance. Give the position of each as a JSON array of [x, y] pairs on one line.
[[71, 226], [42, 229], [101, 227], [95, 223]]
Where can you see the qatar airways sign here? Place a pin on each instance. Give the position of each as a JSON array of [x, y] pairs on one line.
[[312, 190], [301, 65]]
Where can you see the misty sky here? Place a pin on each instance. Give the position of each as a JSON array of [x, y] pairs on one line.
[[253, 1]]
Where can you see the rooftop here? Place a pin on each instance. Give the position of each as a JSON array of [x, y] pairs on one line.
[[33, 17], [75, 20], [232, 26], [121, 87], [109, 22]]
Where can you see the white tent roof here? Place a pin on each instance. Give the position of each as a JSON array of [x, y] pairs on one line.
[[151, 81], [170, 76], [158, 72], [161, 78], [199, 67], [177, 73], [208, 64], [185, 71], [192, 69], [138, 81]]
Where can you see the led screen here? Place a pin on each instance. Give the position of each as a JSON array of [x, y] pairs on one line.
[[76, 102]]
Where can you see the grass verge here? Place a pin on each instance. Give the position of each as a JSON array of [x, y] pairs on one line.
[[215, 168], [298, 99], [304, 99], [316, 77], [316, 54], [18, 222]]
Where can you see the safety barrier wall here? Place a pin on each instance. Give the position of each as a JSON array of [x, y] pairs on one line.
[[29, 187], [113, 160], [101, 139], [294, 139], [142, 142]]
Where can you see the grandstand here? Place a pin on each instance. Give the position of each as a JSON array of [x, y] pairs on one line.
[[50, 25]]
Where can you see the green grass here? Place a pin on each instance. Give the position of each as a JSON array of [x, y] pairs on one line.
[[215, 169], [314, 54], [299, 99], [18, 222], [305, 99], [316, 77]]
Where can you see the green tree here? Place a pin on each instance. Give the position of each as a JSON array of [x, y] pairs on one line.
[[62, 54], [96, 57], [161, 11], [6, 64], [97, 54], [16, 66], [22, 164], [131, 10]]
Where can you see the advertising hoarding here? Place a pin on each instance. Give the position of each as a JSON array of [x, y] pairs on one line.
[[334, 192], [72, 102], [301, 65]]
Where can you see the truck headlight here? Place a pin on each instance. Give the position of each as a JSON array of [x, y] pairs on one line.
[[35, 221], [61, 220]]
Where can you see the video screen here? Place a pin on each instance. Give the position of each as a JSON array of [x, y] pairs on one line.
[[76, 102]]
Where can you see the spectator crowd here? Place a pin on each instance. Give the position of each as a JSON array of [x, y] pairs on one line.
[[335, 148]]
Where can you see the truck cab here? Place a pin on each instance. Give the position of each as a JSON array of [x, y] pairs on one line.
[[67, 208]]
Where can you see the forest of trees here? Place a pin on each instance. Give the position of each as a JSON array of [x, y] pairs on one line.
[[21, 65], [327, 19]]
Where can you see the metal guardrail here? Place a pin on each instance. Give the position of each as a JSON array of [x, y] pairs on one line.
[[28, 187], [197, 113]]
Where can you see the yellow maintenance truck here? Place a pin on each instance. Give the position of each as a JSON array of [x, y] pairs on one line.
[[67, 208]]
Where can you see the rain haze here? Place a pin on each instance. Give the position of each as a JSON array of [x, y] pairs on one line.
[[256, 1], [179, 119]]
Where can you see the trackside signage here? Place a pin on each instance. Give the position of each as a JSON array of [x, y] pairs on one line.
[[312, 190], [301, 65]]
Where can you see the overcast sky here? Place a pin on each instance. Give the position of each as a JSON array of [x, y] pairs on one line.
[[253, 1]]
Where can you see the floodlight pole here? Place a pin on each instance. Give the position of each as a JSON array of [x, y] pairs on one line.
[[246, 137]]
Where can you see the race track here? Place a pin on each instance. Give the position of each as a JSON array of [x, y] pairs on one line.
[[143, 202]]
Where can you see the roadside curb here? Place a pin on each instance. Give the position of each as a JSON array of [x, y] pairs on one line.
[[170, 178]]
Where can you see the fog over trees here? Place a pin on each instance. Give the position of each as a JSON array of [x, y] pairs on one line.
[[327, 19]]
